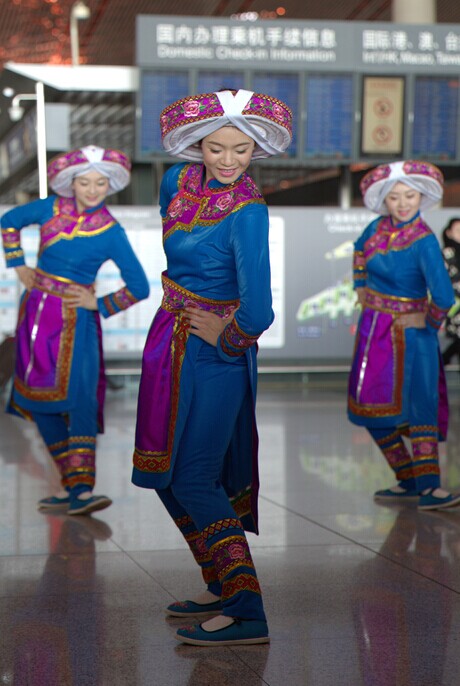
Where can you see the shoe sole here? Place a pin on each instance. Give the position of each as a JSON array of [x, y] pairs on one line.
[[396, 498], [205, 613], [55, 508], [447, 506], [91, 507], [208, 644]]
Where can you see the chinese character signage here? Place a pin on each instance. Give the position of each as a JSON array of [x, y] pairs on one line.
[[299, 45], [174, 40], [412, 48], [358, 91]]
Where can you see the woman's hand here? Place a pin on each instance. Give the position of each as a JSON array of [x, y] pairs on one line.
[[411, 320], [26, 276], [79, 296], [360, 296], [206, 325]]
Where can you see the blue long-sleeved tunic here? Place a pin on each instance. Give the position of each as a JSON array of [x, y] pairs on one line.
[[50, 337], [223, 256]]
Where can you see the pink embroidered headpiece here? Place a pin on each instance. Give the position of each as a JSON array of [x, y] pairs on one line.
[[113, 164], [266, 120], [423, 177]]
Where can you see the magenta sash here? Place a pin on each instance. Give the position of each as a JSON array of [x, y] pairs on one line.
[[376, 377], [45, 339], [376, 381], [161, 369]]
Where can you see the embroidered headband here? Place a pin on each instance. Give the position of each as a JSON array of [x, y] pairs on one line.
[[266, 120], [423, 177], [113, 164]]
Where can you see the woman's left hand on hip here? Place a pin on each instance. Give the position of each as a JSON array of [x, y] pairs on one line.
[[79, 296], [206, 325]]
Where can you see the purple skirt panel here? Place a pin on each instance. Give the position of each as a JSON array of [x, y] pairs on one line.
[[50, 342], [385, 360]]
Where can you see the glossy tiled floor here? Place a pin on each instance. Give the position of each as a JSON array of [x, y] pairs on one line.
[[356, 593]]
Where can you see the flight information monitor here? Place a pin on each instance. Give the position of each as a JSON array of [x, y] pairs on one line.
[[435, 117], [157, 91], [329, 107], [284, 87], [212, 81]]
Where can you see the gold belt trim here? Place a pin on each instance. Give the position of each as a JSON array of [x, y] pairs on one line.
[[55, 285], [392, 304], [176, 298]]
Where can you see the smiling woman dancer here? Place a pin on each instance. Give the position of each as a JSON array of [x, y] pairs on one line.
[[59, 380], [196, 439], [397, 383]]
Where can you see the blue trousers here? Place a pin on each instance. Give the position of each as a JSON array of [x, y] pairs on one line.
[[196, 499], [71, 436]]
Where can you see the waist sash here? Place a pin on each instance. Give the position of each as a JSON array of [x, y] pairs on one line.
[[392, 304]]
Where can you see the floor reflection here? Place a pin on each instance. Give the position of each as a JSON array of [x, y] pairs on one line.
[[403, 622], [59, 634], [223, 667], [357, 593]]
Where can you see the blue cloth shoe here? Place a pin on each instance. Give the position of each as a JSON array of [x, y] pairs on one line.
[[188, 608], [432, 502], [388, 494], [79, 506], [54, 503], [240, 632]]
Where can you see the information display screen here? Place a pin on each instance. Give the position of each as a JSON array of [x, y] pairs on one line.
[[285, 87], [212, 81], [157, 91], [435, 117], [329, 107]]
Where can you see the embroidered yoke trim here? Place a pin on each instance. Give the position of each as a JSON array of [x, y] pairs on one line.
[[387, 237], [67, 223], [206, 206]]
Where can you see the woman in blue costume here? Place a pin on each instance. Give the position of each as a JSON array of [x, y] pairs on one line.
[[196, 437], [59, 378], [397, 384]]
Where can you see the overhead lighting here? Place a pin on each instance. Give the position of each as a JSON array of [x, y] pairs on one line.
[[78, 12], [245, 16]]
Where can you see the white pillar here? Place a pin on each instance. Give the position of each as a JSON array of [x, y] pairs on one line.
[[41, 140], [413, 11]]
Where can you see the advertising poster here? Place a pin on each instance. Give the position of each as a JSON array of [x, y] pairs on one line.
[[383, 110]]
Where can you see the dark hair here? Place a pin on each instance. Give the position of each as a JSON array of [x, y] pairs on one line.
[[447, 240]]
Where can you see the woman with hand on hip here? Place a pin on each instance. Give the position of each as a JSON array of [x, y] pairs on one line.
[[397, 385], [196, 438], [59, 380]]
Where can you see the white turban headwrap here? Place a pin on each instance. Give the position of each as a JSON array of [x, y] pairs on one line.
[[266, 120], [423, 177], [113, 164]]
